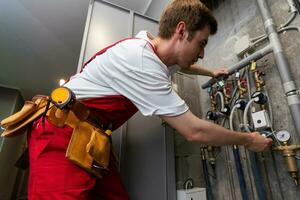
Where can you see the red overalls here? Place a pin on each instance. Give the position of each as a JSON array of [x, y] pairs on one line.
[[53, 177]]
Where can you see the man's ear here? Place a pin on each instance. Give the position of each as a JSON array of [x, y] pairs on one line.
[[181, 29]]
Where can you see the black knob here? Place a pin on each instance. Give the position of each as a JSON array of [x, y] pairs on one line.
[[241, 104], [259, 97], [210, 115], [226, 110]]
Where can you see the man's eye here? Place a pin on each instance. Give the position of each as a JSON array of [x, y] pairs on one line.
[[202, 45]]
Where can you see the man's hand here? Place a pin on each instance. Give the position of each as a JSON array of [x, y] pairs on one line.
[[258, 143], [219, 71]]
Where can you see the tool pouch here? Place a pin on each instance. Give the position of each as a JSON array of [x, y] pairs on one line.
[[89, 148], [16, 123]]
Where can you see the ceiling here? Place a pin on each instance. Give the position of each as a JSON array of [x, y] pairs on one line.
[[40, 41]]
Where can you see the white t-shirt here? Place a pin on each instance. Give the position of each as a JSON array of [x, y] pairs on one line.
[[132, 69]]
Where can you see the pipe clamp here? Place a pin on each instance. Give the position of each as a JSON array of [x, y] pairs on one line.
[[269, 22], [293, 98], [289, 87]]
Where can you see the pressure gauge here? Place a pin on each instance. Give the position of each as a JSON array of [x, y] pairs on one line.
[[283, 136]]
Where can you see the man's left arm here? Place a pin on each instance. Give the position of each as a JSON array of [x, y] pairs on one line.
[[199, 70]]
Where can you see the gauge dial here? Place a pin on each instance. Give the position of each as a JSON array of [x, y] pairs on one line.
[[283, 136]]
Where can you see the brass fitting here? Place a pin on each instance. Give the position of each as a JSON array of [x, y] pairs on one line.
[[253, 66], [213, 103], [242, 89], [288, 152], [259, 82], [227, 96], [211, 156]]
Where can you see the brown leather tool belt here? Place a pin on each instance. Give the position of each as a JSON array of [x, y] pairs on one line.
[[89, 146]]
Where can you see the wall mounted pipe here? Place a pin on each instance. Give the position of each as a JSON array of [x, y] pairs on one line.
[[283, 66], [255, 56]]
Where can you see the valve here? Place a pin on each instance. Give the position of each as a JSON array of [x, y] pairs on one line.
[[242, 87], [220, 84], [259, 82], [241, 104], [226, 110], [209, 90], [288, 152], [260, 98], [210, 115], [211, 93], [213, 103], [227, 93]]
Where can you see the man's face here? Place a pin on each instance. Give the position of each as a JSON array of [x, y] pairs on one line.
[[193, 49]]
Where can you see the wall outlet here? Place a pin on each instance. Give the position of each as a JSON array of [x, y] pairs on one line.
[[242, 46], [192, 194]]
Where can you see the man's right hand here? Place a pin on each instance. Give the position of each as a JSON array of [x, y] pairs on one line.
[[258, 142]]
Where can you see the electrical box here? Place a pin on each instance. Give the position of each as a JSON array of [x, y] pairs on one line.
[[242, 45], [261, 120], [192, 194]]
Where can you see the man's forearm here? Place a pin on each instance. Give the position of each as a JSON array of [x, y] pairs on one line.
[[212, 134], [198, 130], [198, 70]]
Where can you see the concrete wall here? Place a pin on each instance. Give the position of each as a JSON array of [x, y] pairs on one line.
[[237, 18]]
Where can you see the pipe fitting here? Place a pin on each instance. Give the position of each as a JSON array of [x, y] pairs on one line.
[[293, 98], [289, 86], [288, 152]]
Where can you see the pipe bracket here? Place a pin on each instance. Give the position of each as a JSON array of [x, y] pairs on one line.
[[293, 98], [289, 87], [269, 22]]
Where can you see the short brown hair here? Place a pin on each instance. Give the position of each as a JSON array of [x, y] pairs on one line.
[[194, 13]]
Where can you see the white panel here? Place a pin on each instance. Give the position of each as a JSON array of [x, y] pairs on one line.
[[108, 25], [137, 6], [143, 23]]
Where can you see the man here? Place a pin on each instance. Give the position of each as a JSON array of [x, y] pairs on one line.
[[131, 75]]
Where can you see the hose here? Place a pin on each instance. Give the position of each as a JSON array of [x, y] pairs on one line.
[[222, 99], [237, 160], [230, 175], [292, 17], [209, 194], [227, 156], [245, 118], [264, 37], [241, 176], [256, 170], [293, 8], [231, 117]]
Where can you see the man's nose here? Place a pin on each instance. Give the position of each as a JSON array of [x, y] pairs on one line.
[[201, 54]]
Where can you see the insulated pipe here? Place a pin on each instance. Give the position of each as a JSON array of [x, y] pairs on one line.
[[222, 100], [231, 116], [255, 56], [237, 160], [283, 67], [209, 193], [245, 118], [253, 157]]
